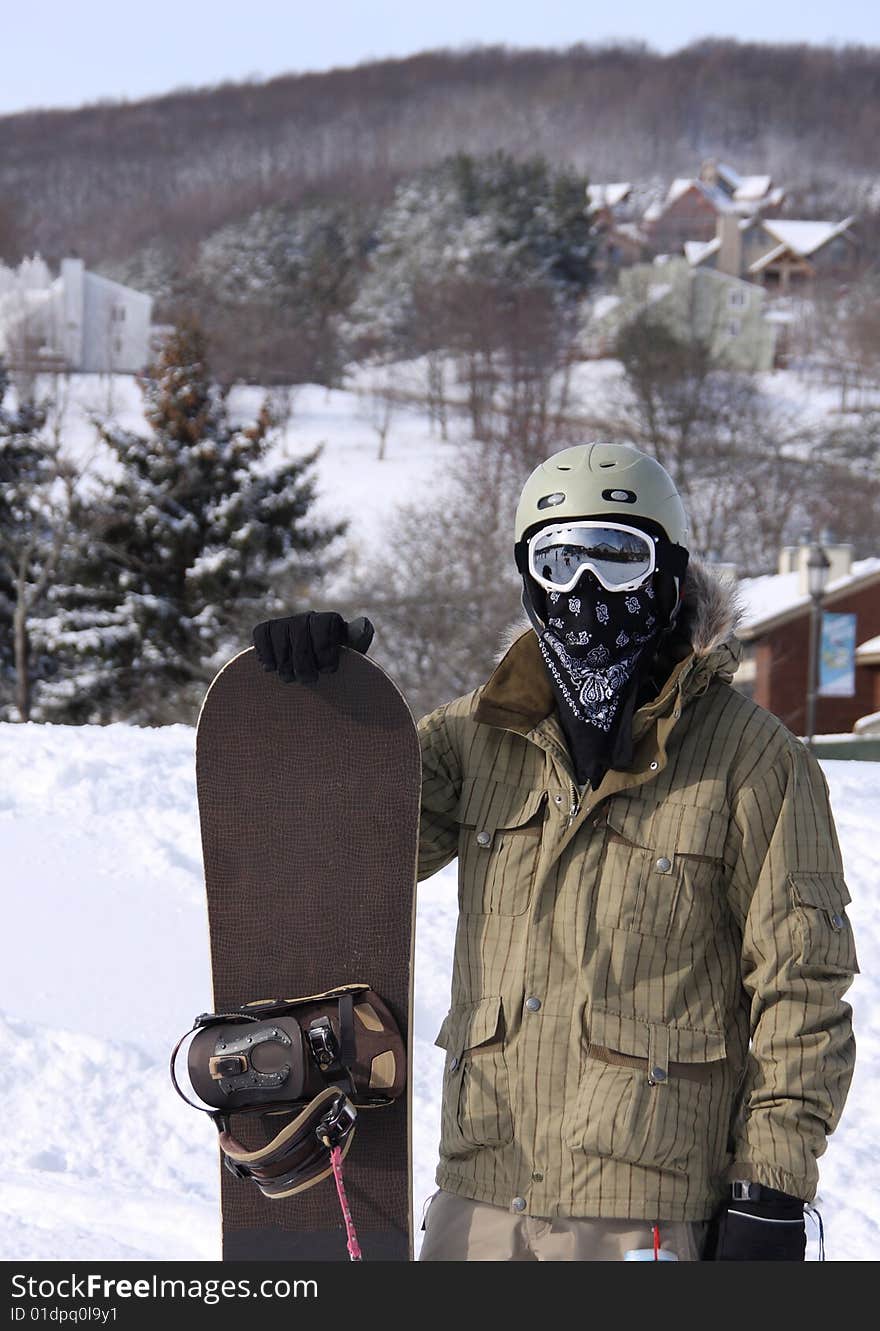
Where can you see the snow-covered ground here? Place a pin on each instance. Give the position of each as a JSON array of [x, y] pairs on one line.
[[106, 961], [106, 953], [352, 481], [105, 964]]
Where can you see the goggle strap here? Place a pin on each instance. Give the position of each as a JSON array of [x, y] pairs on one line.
[[675, 559]]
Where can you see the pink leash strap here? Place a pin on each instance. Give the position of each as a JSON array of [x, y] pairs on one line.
[[354, 1248]]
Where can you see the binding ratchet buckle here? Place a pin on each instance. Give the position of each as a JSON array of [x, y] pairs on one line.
[[322, 1043], [337, 1123]]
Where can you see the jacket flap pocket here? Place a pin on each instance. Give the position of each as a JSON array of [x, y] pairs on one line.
[[492, 805], [674, 829], [470, 1024], [825, 890], [628, 1035]]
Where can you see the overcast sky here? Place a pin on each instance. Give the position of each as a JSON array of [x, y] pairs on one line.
[[63, 54]]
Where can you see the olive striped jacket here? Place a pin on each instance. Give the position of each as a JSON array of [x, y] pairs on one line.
[[648, 977]]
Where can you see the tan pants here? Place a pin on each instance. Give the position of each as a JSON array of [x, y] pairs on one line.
[[460, 1230]]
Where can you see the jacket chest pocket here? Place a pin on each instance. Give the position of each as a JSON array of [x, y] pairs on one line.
[[499, 845], [662, 870], [476, 1088]]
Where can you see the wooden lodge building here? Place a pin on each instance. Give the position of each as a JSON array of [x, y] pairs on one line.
[[775, 632]]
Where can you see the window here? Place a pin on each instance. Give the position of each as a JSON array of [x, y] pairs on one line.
[[736, 298], [734, 328]]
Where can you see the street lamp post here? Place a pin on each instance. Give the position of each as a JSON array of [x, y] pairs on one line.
[[818, 565]]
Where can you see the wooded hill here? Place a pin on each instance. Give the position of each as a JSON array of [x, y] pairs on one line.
[[108, 179]]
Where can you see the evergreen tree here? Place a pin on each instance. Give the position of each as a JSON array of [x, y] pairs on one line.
[[272, 288], [32, 522], [195, 538], [491, 221]]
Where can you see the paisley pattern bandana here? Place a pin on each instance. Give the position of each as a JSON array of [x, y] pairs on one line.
[[597, 646]]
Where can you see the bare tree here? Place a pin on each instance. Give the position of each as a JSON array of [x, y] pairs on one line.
[[862, 333], [514, 343], [432, 322], [675, 392], [378, 403], [444, 589], [742, 460], [13, 232], [838, 338], [756, 482]]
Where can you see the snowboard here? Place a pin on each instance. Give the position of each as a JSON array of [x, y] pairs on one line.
[[309, 801]]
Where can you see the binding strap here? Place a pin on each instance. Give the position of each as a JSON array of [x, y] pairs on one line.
[[336, 1057], [206, 1019], [297, 1158], [346, 1032]]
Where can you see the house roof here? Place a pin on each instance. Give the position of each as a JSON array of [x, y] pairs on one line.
[[727, 173], [679, 186], [603, 306], [631, 231], [805, 238], [719, 200], [752, 188], [715, 196], [766, 259], [744, 195], [868, 653], [776, 598], [698, 251], [608, 196], [749, 189], [657, 291]]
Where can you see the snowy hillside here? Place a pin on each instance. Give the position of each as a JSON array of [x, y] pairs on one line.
[[352, 482], [106, 962]]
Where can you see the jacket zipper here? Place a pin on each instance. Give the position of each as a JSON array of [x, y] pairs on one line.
[[575, 806]]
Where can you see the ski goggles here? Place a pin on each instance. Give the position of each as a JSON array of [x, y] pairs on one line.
[[621, 558]]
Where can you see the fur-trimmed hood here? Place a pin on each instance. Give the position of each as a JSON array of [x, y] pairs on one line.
[[710, 610], [701, 646]]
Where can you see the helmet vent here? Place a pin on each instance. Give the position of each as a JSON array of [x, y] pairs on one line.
[[563, 468], [607, 464]]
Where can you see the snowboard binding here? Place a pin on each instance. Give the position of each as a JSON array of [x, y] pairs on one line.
[[315, 1061]]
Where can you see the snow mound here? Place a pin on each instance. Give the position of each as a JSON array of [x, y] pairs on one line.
[[109, 964], [107, 1163]]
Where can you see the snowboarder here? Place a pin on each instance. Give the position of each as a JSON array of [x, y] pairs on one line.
[[647, 1044]]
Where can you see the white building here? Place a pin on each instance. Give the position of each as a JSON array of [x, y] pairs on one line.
[[724, 313], [77, 321]]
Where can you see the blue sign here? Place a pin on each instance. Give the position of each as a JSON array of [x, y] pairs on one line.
[[837, 656]]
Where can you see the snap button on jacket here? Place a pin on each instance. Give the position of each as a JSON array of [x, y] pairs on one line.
[[685, 908]]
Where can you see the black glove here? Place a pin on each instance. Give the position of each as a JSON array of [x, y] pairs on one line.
[[298, 646], [769, 1227]]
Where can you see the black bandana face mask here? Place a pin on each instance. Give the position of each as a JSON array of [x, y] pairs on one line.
[[598, 646]]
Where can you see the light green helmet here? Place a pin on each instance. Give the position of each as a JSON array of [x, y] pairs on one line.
[[591, 480]]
